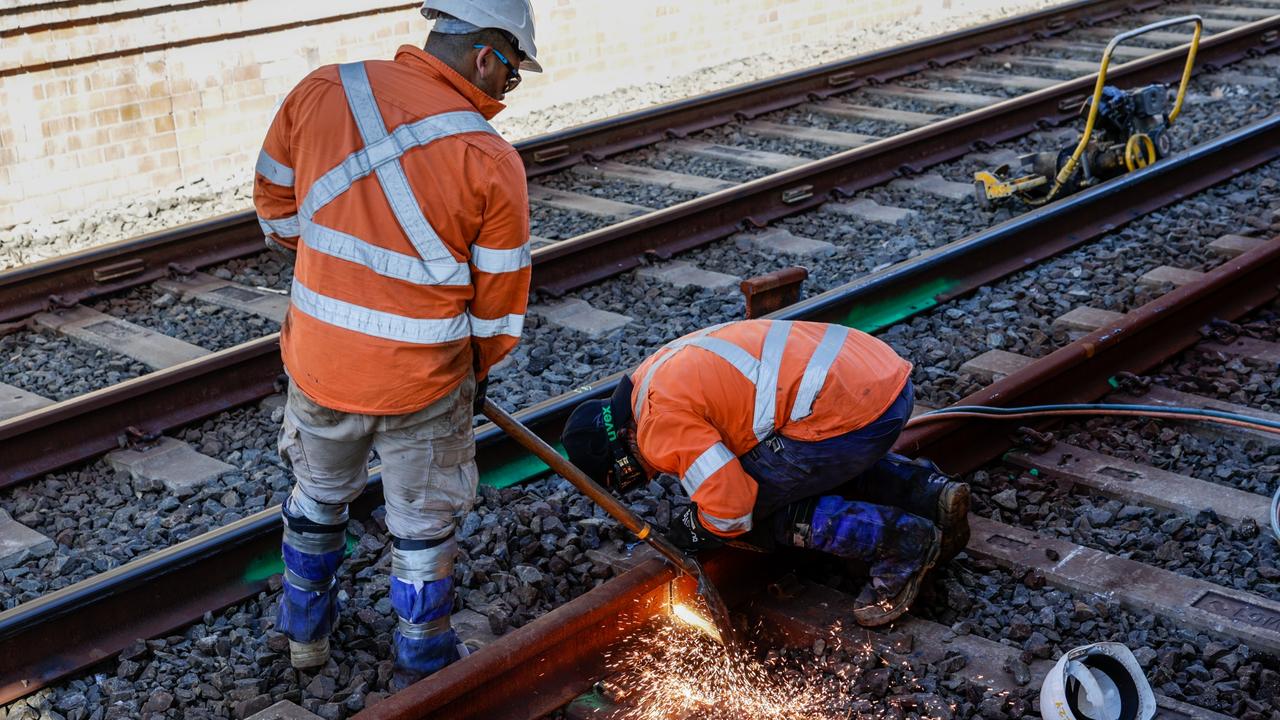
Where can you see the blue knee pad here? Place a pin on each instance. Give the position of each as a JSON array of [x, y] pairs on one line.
[[422, 595], [312, 553], [866, 532]]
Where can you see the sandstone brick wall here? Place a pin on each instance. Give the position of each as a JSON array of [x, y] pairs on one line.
[[108, 100]]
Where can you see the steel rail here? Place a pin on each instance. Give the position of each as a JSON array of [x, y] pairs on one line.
[[40, 447], [614, 249], [88, 425], [560, 150], [233, 563], [110, 268], [542, 664]]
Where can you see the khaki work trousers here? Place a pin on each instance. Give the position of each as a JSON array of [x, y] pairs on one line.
[[428, 459]]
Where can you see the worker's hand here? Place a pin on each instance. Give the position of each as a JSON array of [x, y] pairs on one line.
[[477, 403], [688, 534], [281, 252]]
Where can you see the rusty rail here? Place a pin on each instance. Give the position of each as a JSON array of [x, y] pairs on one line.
[[111, 268], [612, 249], [1081, 371], [543, 664], [232, 563]]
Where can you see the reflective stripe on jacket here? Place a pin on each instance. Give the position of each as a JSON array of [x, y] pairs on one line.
[[697, 408], [410, 216]]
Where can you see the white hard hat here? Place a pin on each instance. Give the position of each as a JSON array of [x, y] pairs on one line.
[[1102, 681], [514, 17]]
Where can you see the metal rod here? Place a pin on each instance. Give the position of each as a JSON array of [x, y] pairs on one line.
[[600, 496], [612, 505]]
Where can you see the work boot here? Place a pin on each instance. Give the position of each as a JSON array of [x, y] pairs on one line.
[[920, 488], [880, 602], [952, 518], [897, 547], [306, 655], [403, 676]]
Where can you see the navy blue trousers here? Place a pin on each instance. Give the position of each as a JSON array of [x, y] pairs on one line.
[[790, 473], [789, 470]]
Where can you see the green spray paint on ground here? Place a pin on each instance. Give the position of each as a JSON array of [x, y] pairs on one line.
[[589, 704]]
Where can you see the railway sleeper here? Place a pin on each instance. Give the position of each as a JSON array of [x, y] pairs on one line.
[[15, 401], [224, 293], [153, 349]]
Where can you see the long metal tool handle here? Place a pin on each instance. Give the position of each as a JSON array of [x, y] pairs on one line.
[[1070, 167], [590, 488]]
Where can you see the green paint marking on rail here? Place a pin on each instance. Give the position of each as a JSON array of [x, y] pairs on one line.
[[517, 471], [263, 567], [870, 318], [1113, 382], [270, 563]]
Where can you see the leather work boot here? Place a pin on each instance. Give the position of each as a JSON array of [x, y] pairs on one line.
[[306, 655], [873, 609], [952, 518]]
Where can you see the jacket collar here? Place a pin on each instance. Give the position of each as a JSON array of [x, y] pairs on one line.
[[431, 66]]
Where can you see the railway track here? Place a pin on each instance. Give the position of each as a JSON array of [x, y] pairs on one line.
[[1011, 539], [189, 326], [235, 561]]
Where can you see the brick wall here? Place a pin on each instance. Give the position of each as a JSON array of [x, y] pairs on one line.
[[113, 100]]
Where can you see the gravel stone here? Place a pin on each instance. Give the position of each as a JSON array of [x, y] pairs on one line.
[[636, 194], [199, 323], [59, 368], [531, 548], [100, 519]]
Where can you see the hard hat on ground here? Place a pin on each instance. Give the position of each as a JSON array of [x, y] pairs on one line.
[[593, 439], [514, 17], [1102, 681]]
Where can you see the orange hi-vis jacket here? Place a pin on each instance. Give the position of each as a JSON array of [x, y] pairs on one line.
[[410, 217], [708, 398]]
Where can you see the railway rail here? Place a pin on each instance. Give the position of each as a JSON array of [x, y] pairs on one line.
[[191, 382], [149, 596], [559, 656]]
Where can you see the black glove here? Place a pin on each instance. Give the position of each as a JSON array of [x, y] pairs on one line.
[[477, 403], [688, 534]]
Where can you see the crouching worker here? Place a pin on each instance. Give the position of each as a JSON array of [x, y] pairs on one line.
[[409, 215], [780, 434]]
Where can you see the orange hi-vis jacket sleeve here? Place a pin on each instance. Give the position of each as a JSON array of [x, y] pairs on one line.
[[410, 217], [705, 400]]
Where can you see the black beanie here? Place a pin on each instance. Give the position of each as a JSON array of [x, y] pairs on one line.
[[585, 440]]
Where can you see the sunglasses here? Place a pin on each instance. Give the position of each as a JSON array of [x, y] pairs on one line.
[[513, 73]]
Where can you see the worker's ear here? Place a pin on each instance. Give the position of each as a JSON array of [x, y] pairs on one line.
[[484, 62]]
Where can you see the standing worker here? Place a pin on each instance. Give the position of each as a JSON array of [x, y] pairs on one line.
[[764, 422], [409, 215]]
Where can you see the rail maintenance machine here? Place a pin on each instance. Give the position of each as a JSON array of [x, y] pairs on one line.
[[1124, 130]]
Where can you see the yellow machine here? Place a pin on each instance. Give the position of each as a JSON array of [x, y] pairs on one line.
[[1124, 130]]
